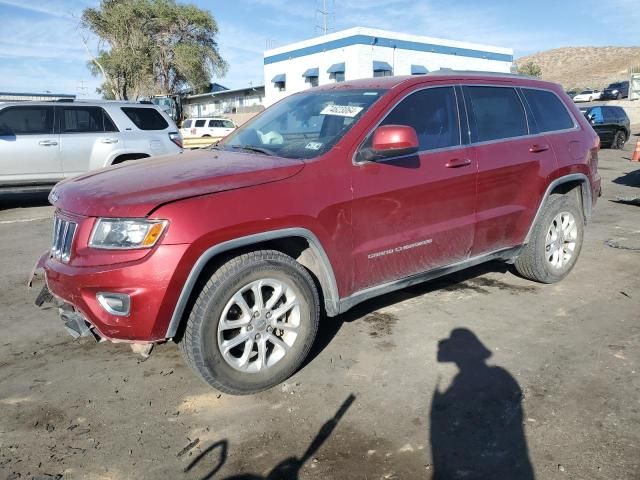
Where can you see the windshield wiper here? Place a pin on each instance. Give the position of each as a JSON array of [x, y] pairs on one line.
[[253, 148]]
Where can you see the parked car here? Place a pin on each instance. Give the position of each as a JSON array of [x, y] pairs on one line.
[[207, 127], [587, 96], [42, 143], [610, 123], [616, 91], [236, 252]]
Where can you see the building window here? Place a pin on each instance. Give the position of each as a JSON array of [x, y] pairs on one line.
[[382, 69], [336, 72], [419, 70], [311, 76], [280, 82]]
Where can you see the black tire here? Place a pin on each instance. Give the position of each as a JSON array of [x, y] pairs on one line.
[[532, 263], [199, 343], [619, 139]]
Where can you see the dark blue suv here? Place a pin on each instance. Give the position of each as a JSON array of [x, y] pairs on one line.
[[615, 91]]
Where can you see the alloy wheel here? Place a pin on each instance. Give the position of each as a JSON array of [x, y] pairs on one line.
[[259, 325], [560, 242]]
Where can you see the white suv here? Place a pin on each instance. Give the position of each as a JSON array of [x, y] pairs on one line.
[[207, 127], [42, 143]]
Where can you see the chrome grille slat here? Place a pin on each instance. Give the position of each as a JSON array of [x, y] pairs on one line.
[[63, 234]]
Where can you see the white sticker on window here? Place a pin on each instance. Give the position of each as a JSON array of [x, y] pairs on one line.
[[341, 110], [313, 146]]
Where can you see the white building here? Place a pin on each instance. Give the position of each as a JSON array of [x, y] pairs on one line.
[[365, 52], [222, 101]]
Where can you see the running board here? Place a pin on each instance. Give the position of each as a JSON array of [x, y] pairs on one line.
[[362, 295]]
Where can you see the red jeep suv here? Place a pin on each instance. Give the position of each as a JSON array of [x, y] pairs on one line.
[[328, 198]]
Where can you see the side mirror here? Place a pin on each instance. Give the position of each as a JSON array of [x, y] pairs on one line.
[[394, 141]]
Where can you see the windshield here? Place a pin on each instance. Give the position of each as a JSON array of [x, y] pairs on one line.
[[305, 125], [615, 85], [585, 92]]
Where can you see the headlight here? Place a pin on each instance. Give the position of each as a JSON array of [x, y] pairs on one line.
[[614, 91], [126, 233]]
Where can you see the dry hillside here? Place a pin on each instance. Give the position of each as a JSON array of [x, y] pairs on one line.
[[579, 67]]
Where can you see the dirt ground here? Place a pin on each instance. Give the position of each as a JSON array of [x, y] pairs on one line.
[[462, 373]]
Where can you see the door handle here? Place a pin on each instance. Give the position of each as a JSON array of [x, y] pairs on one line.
[[48, 143], [537, 148], [458, 162], [109, 140]]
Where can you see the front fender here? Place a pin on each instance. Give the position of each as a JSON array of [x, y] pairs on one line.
[[330, 289]]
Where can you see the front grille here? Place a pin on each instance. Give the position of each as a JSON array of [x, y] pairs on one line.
[[63, 233]]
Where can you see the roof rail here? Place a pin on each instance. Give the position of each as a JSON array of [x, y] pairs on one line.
[[449, 71]]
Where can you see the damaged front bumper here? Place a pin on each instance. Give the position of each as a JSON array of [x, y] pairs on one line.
[[74, 322]]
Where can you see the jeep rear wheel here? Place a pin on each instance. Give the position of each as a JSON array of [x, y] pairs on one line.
[[555, 243], [253, 323]]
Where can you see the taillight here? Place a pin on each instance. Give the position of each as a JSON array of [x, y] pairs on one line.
[[176, 138]]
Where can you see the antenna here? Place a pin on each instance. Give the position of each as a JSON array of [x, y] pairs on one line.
[[326, 16]]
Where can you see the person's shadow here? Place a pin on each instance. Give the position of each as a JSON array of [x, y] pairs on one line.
[[476, 423]]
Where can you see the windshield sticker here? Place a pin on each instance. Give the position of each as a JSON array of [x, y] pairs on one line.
[[370, 93], [313, 146], [341, 110]]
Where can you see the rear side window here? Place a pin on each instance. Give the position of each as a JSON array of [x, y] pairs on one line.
[[145, 118], [609, 115], [433, 113], [548, 110], [200, 123], [86, 120], [496, 112], [26, 121], [186, 124]]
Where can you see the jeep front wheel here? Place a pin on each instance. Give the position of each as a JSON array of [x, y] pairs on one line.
[[253, 323], [555, 243]]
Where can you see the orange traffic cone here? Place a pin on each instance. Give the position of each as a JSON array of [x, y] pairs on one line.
[[636, 153]]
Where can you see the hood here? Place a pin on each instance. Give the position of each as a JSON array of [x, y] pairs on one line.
[[137, 188]]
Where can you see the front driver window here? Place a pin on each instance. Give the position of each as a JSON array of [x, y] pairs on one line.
[[433, 114]]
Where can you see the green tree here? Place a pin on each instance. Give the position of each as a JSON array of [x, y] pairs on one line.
[[152, 47], [530, 68]]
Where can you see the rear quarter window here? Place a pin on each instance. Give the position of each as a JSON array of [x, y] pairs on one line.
[[145, 118], [548, 110], [620, 113]]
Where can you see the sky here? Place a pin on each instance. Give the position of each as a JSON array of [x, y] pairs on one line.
[[41, 46]]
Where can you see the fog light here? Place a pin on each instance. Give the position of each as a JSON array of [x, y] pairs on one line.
[[115, 303]]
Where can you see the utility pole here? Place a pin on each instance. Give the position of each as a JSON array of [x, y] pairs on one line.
[[82, 90]]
